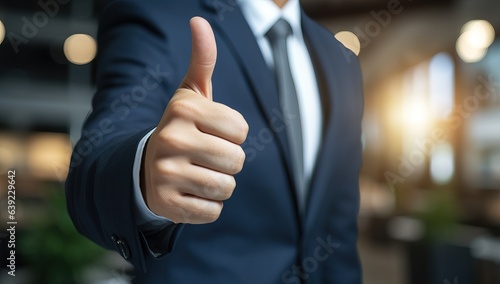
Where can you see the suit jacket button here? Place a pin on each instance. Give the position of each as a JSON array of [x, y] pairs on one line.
[[122, 247]]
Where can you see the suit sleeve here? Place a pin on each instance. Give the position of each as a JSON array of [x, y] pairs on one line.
[[135, 81]]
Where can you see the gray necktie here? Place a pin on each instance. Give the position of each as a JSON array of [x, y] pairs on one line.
[[277, 36]]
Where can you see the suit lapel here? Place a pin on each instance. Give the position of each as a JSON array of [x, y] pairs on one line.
[[233, 29], [330, 81]]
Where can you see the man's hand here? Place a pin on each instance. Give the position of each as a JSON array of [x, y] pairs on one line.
[[191, 157]]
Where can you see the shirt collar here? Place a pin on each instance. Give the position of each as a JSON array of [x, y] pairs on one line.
[[261, 15]]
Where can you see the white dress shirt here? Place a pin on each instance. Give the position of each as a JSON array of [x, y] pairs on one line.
[[261, 15]]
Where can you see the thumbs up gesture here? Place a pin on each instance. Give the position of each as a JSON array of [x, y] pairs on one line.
[[191, 157]]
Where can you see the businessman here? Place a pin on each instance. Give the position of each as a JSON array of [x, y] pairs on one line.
[[224, 144]]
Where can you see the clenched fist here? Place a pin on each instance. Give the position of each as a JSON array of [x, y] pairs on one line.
[[191, 157]]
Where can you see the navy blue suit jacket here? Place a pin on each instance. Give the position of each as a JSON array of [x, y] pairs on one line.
[[260, 237]]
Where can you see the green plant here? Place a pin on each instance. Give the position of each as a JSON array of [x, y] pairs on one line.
[[441, 215], [55, 251]]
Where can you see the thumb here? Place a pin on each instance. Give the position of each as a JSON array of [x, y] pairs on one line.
[[203, 58]]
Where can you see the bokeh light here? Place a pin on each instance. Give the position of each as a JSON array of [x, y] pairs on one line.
[[2, 32], [80, 49], [477, 36], [48, 156], [442, 166], [479, 33], [416, 114], [349, 40], [467, 52]]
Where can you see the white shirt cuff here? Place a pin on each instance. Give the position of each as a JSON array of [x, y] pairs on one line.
[[143, 214]]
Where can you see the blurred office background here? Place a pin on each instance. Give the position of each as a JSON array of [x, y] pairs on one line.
[[430, 184]]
